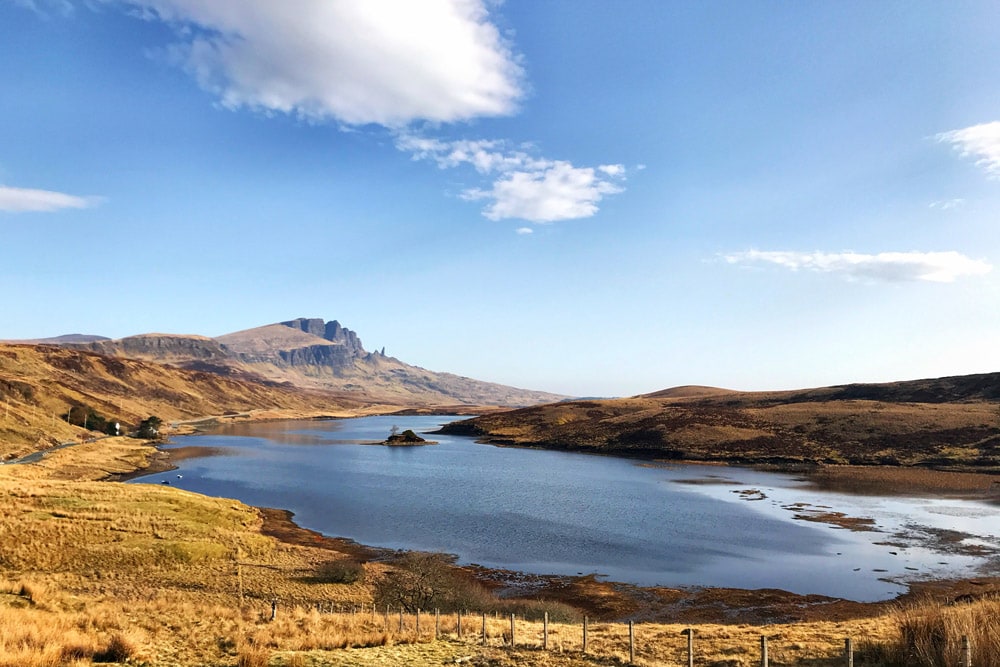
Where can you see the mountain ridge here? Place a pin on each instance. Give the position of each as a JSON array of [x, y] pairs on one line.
[[314, 354]]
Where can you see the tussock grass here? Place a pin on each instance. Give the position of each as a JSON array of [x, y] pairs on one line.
[[97, 571], [931, 634]]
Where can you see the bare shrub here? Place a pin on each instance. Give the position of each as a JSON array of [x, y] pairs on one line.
[[429, 581], [339, 572]]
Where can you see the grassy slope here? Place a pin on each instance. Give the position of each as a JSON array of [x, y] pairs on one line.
[[948, 422], [38, 384], [84, 564], [180, 579]]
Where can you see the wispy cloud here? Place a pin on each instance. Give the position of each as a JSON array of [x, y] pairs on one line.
[[942, 267], [387, 62], [947, 204], [524, 187], [524, 230], [981, 142], [20, 200], [44, 7]]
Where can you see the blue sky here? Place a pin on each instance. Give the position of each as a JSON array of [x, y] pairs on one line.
[[592, 198]]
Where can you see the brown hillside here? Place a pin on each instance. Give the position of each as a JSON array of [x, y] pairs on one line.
[[317, 355], [945, 422], [39, 384]]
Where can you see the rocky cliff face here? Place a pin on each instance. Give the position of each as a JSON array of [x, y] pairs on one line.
[[313, 353], [331, 331], [161, 347]]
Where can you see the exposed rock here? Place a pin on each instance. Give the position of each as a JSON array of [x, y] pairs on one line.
[[312, 353]]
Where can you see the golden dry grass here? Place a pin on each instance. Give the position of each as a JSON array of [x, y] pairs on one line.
[[39, 383], [181, 579]]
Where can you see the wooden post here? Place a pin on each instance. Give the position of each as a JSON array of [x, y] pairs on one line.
[[418, 623], [631, 643], [966, 652], [459, 624], [437, 624], [512, 630], [584, 634], [274, 609], [849, 652], [690, 634], [484, 628], [763, 651], [545, 632], [386, 620], [400, 619]]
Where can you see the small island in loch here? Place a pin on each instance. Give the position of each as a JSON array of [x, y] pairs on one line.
[[406, 439]]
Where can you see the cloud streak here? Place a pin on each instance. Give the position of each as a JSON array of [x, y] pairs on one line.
[[387, 62], [22, 200], [981, 142], [524, 187], [941, 267]]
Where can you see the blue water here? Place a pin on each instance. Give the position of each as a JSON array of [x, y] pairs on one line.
[[561, 513]]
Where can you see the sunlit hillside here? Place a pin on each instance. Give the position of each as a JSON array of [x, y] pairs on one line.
[[50, 395], [947, 422]]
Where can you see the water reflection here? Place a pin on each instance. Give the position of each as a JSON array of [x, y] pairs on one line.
[[560, 513]]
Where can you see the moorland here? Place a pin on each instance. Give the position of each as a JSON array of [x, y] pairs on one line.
[[92, 570]]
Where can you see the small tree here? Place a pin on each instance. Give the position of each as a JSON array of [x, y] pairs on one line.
[[149, 428], [428, 581]]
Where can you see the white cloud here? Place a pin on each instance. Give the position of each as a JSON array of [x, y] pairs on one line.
[[560, 191], [943, 267], [525, 187], [979, 141], [19, 200], [524, 230], [388, 62], [947, 204]]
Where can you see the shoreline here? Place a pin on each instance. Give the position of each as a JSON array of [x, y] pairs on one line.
[[609, 600]]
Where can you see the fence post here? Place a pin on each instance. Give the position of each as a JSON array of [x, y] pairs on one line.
[[274, 609], [631, 643], [418, 623], [400, 619], [437, 624], [966, 652], [484, 628], [584, 635], [763, 651], [545, 632], [690, 634], [849, 652], [512, 630], [459, 624]]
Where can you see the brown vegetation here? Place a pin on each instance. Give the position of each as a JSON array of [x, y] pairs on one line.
[[951, 423], [39, 384]]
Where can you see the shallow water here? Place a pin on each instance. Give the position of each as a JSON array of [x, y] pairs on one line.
[[561, 513]]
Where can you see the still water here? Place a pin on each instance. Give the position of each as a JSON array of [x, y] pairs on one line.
[[561, 513]]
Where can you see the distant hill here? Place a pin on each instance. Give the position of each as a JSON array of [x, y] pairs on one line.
[[59, 340], [312, 353], [42, 385], [945, 422]]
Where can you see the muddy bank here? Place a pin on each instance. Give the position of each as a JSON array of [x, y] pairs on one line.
[[613, 601]]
